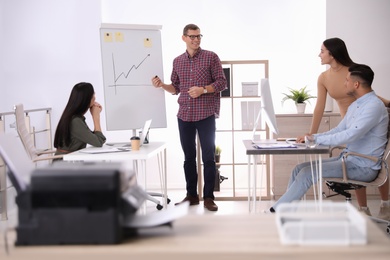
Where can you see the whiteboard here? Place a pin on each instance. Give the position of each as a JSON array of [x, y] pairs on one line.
[[131, 56]]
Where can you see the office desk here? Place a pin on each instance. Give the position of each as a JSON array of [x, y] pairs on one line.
[[138, 158], [253, 153], [209, 236]]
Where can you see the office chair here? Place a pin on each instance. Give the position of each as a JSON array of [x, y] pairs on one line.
[[27, 141], [341, 186]]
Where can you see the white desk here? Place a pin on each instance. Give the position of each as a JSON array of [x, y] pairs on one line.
[[208, 236], [138, 158], [253, 153]]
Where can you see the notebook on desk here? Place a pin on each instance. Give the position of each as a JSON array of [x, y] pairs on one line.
[[145, 130]]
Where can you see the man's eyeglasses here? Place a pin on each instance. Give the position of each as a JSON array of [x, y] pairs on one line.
[[192, 37]]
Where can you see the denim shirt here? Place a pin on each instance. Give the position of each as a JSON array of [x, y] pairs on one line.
[[363, 130]]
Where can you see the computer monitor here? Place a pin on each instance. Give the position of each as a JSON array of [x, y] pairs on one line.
[[267, 106], [267, 109]]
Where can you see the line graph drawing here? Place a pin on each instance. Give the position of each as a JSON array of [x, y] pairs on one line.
[[124, 74]]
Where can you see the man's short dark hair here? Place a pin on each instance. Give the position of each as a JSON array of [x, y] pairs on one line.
[[190, 26], [363, 72]]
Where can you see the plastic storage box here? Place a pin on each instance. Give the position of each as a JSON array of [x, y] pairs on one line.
[[325, 223]]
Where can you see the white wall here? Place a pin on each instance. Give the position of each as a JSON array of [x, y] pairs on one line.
[[48, 46], [1, 48]]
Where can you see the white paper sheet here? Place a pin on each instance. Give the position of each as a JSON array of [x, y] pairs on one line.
[[157, 218], [104, 149], [278, 145]]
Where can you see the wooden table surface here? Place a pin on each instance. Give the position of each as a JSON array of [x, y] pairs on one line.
[[208, 236]]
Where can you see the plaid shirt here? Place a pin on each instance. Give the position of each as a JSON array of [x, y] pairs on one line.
[[203, 69]]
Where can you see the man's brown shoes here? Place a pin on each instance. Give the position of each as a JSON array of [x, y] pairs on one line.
[[193, 200], [210, 205], [208, 202]]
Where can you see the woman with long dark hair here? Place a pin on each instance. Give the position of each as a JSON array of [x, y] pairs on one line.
[[335, 54], [72, 131]]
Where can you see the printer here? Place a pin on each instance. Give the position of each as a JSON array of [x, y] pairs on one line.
[[77, 203]]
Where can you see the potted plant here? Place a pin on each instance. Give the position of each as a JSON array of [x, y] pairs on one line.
[[299, 96], [217, 153], [217, 166]]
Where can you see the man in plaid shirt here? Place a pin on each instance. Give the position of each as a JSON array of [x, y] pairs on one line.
[[198, 78]]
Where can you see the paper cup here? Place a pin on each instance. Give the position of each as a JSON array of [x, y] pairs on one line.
[[135, 143]]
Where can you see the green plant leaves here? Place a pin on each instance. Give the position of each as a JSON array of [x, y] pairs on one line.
[[298, 95]]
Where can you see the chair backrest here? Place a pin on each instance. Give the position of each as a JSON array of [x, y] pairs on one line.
[[24, 133], [383, 174], [19, 166], [388, 127]]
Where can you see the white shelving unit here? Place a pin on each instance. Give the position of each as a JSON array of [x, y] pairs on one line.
[[230, 132]]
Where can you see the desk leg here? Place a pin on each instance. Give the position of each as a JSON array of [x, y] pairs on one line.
[[256, 162], [165, 177], [137, 164], [252, 173], [320, 180], [249, 182], [254, 192], [135, 167], [312, 175], [262, 160], [162, 168], [143, 166]]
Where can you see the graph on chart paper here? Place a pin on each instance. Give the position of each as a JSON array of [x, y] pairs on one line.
[[124, 77]]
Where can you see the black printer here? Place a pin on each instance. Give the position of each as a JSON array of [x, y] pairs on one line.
[[77, 203]]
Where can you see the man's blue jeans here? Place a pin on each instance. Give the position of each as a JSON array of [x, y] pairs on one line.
[[206, 131], [301, 178]]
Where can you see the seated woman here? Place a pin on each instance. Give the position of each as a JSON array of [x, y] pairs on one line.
[[72, 132]]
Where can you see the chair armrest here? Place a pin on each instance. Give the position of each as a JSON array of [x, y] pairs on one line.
[[339, 147], [372, 158], [48, 158], [40, 152]]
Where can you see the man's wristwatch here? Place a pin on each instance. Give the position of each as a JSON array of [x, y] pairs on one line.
[[204, 90]]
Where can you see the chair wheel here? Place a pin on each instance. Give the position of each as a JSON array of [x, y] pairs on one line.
[[168, 200], [388, 229], [159, 206]]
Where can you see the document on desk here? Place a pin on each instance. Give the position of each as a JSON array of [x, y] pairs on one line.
[[156, 218], [93, 150], [276, 146]]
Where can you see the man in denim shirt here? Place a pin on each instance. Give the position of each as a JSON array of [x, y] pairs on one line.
[[363, 129]]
